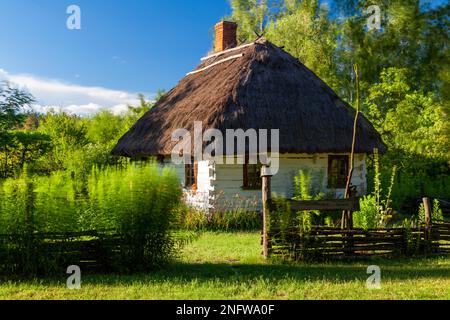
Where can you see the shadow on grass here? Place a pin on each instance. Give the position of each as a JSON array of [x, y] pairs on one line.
[[186, 272], [399, 269]]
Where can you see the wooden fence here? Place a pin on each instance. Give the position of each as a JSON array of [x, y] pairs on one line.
[[39, 253], [441, 236], [322, 242], [325, 242], [91, 250]]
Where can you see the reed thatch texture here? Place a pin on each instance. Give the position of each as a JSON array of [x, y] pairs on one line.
[[266, 88]]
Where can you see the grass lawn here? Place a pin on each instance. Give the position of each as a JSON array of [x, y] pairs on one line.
[[229, 266]]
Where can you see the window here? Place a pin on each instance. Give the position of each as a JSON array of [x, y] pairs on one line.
[[191, 174], [252, 176], [338, 167]]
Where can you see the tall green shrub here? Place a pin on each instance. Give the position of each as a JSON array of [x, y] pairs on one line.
[[136, 203], [436, 214], [369, 215], [306, 188], [139, 204], [376, 209]]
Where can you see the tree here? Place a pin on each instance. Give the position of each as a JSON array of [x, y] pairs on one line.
[[412, 36], [104, 128], [301, 27], [136, 112], [306, 32], [68, 134], [411, 121], [253, 16], [145, 105], [30, 146], [13, 102], [16, 147]]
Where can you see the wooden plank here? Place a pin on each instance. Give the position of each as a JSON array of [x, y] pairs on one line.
[[428, 211], [363, 239], [325, 233], [266, 197], [342, 249], [356, 241], [216, 63], [227, 51], [351, 204]]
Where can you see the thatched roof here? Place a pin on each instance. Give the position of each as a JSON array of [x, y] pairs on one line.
[[266, 88]]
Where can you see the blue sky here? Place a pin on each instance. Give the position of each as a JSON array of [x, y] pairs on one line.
[[132, 46], [124, 47]]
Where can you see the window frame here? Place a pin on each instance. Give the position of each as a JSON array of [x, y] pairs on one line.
[[191, 176], [340, 184], [256, 180]]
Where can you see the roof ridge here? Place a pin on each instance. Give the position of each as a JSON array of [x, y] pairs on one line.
[[218, 54], [216, 63]]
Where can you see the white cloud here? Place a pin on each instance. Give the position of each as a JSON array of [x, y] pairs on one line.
[[3, 75], [69, 97]]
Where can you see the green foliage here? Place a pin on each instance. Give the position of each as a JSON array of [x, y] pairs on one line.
[[369, 215], [137, 203], [12, 103], [135, 112], [409, 188], [226, 221], [17, 145], [301, 27], [306, 32], [252, 16], [58, 140], [436, 214], [68, 135], [409, 120], [306, 188], [376, 209], [104, 128], [413, 242], [421, 213]]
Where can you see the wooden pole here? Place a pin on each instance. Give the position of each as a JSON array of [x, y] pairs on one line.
[[428, 223], [347, 216], [427, 205], [266, 196]]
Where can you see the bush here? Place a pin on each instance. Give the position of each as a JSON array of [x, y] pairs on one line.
[[368, 217], [436, 214], [136, 203], [236, 220], [416, 178], [231, 220], [376, 209]]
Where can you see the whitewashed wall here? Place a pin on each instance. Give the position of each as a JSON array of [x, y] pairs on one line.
[[201, 197], [220, 185]]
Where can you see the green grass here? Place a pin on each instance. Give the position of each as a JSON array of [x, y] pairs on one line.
[[229, 266]]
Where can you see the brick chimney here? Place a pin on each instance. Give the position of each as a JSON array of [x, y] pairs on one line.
[[226, 36]]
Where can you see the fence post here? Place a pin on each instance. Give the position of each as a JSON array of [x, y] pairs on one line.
[[427, 205], [266, 196], [428, 224]]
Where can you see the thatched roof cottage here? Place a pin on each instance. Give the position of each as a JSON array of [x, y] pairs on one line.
[[256, 86]]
